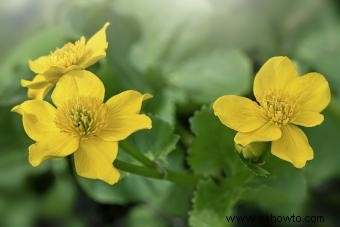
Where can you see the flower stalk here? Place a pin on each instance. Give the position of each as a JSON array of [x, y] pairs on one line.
[[134, 152], [183, 179]]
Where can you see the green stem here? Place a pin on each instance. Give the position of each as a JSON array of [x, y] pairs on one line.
[[178, 178], [134, 152]]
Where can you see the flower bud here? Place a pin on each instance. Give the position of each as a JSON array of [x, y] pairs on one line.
[[252, 151]]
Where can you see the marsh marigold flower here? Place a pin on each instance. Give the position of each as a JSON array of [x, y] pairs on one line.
[[71, 56], [283, 100], [81, 124]]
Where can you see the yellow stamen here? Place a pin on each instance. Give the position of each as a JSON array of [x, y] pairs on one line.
[[83, 116], [278, 109], [68, 55]]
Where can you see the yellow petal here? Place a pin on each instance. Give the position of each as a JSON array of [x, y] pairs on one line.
[[127, 102], [38, 87], [39, 65], [293, 146], [268, 132], [38, 118], [75, 84], [53, 145], [96, 47], [39, 93], [94, 160], [311, 92], [52, 73], [55, 72], [239, 113], [274, 76], [308, 119], [38, 81], [121, 126]]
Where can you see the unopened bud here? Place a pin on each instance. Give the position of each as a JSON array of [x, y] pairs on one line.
[[253, 151]]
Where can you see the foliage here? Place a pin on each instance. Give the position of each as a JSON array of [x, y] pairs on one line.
[[186, 53]]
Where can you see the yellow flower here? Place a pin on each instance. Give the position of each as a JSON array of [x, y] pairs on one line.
[[284, 100], [82, 124], [71, 56]]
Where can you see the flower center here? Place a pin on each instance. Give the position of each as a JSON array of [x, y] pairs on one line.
[[278, 109], [68, 55], [82, 116]]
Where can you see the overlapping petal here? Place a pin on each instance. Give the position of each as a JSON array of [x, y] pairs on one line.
[[54, 144], [308, 119], [127, 102], [293, 146], [311, 92], [38, 118], [39, 65], [274, 76], [39, 93], [123, 116], [38, 87], [239, 113], [268, 132], [121, 126], [94, 160], [78, 83]]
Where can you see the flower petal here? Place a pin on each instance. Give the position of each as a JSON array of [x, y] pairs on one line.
[[268, 132], [308, 119], [53, 145], [94, 160], [127, 102], [38, 87], [293, 146], [78, 83], [121, 126], [39, 93], [39, 65], [38, 81], [38, 118], [96, 47], [239, 113], [311, 92], [275, 75]]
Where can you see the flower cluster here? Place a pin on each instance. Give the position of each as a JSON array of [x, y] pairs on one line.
[[78, 122]]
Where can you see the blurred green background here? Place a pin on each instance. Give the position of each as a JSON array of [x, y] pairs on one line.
[[187, 53]]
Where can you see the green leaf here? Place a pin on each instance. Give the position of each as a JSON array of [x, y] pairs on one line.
[[320, 50], [212, 203], [208, 76], [163, 106], [283, 192], [212, 150], [131, 188], [325, 164], [255, 167], [158, 142], [163, 39]]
